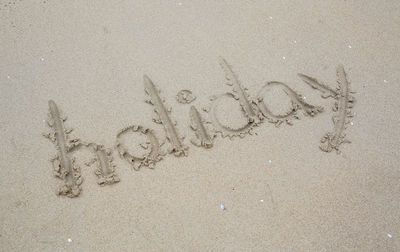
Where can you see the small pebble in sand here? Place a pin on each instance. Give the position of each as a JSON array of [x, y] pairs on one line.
[[270, 161], [389, 235], [8, 77], [270, 17], [349, 46], [262, 200], [223, 208], [283, 57], [351, 123], [385, 81], [42, 59], [69, 240], [295, 41], [180, 4]]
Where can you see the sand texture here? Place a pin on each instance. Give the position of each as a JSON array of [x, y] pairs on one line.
[[199, 125]]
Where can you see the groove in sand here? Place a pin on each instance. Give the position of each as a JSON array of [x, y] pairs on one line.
[[239, 93], [64, 166], [219, 127], [203, 137], [105, 169], [163, 117], [343, 105], [151, 158], [296, 100], [315, 84]]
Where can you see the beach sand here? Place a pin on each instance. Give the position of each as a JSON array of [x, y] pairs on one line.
[[274, 190]]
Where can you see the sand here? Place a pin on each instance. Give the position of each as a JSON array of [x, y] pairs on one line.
[[273, 190]]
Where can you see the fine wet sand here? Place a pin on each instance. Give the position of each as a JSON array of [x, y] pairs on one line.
[[250, 173]]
